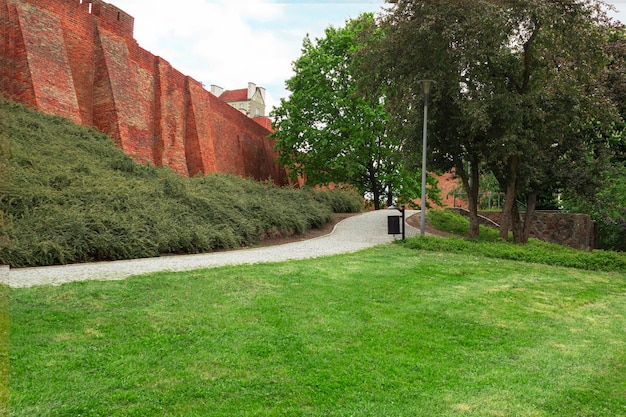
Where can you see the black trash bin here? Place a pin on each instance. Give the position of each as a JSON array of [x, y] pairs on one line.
[[393, 225]]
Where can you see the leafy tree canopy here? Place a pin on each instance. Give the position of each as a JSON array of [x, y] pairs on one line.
[[519, 91], [326, 132]]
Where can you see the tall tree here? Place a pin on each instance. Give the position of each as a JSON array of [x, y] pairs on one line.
[[517, 80], [552, 72], [327, 133], [608, 207], [448, 42]]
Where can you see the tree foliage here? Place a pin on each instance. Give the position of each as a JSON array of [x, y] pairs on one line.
[[517, 83], [608, 206], [326, 132]]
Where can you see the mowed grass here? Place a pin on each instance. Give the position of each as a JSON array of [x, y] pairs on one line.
[[4, 344], [388, 331]]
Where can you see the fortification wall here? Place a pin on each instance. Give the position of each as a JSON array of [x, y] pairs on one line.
[[78, 59]]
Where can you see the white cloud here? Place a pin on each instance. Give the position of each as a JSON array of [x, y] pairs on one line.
[[233, 42], [213, 41]]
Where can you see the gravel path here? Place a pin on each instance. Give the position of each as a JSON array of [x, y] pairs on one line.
[[350, 235]]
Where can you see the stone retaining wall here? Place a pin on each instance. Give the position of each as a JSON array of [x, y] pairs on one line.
[[573, 230]]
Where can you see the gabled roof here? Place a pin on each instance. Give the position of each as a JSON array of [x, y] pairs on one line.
[[235, 95]]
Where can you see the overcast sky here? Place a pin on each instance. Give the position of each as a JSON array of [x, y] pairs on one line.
[[232, 42]]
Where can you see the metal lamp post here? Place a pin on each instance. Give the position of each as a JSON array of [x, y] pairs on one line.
[[426, 87]]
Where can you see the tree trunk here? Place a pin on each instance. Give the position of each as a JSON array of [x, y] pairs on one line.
[[474, 226], [471, 188], [474, 229], [509, 210], [516, 221], [376, 200], [374, 185], [506, 222], [528, 218]]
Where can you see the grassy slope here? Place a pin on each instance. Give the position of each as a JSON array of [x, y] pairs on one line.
[[75, 197], [388, 331]]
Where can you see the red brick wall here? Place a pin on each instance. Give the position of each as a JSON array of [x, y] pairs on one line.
[[76, 28], [200, 141], [42, 77], [448, 184], [15, 78], [78, 59], [171, 107]]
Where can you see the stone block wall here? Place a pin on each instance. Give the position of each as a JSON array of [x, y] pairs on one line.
[[78, 59], [573, 230]]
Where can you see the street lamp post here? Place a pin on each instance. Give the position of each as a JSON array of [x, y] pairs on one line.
[[426, 87]]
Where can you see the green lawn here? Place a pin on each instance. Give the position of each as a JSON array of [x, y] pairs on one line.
[[388, 331], [4, 347]]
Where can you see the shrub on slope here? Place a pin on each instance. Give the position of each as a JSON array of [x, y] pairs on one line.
[[75, 197]]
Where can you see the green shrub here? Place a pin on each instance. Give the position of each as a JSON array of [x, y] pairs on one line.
[[490, 245], [75, 197], [341, 201]]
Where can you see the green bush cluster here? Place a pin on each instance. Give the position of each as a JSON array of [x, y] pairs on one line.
[[75, 197], [489, 245], [341, 201], [4, 169]]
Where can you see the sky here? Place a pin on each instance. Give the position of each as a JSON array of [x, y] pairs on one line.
[[232, 42]]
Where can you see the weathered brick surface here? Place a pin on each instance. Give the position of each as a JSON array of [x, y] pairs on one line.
[[78, 59], [200, 141], [48, 62], [15, 76], [75, 30], [171, 105]]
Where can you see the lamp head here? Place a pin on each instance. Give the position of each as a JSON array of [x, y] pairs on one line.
[[426, 86], [394, 207]]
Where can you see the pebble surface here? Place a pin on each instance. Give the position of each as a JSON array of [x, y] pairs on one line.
[[349, 235]]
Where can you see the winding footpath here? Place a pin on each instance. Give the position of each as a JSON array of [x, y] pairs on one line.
[[349, 235]]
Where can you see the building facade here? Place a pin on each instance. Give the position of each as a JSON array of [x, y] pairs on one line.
[[250, 101]]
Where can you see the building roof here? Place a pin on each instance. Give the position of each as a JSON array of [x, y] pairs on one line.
[[264, 121], [235, 95]]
